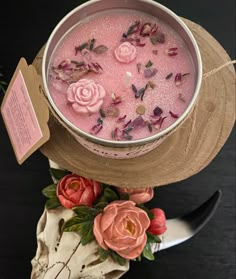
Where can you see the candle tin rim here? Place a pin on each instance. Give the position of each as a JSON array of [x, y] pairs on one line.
[[122, 143]]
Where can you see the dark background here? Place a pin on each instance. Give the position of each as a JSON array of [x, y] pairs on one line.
[[24, 29]]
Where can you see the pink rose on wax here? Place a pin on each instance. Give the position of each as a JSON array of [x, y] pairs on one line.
[[86, 96], [122, 227], [74, 190], [158, 224], [125, 53], [140, 195]]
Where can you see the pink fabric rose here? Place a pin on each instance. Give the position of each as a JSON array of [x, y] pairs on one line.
[[140, 195], [74, 190], [158, 224], [85, 96], [122, 227], [125, 53]]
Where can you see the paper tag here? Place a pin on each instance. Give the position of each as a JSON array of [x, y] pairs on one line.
[[25, 112]]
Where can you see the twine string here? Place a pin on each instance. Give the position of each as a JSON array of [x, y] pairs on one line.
[[215, 70]]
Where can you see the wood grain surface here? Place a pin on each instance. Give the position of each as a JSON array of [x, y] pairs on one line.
[[184, 153]]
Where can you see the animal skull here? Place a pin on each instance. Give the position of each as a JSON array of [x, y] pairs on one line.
[[60, 255]]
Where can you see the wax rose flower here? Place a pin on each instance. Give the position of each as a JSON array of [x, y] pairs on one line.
[[158, 224], [85, 96], [74, 190], [140, 195], [125, 53], [122, 228]]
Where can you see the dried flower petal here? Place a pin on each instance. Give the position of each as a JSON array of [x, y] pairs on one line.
[[80, 47], [173, 51], [146, 29], [102, 113], [169, 75], [126, 125], [78, 64], [112, 112], [149, 64], [178, 79], [91, 44], [149, 125], [122, 118], [137, 123], [157, 111], [174, 115], [116, 134], [151, 84], [158, 37], [134, 28], [100, 49], [181, 98], [134, 88], [96, 129], [155, 51], [139, 66], [149, 72], [158, 123]]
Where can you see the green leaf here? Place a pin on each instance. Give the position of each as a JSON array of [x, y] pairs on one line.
[[151, 238], [117, 258], [58, 173], [110, 194], [149, 213], [147, 252], [72, 224], [101, 204], [103, 254], [84, 228], [87, 236], [50, 191], [85, 213], [124, 197], [52, 203]]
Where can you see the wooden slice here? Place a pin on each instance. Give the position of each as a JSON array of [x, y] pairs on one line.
[[184, 153]]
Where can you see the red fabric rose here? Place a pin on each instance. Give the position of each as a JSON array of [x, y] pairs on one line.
[[74, 190], [158, 224]]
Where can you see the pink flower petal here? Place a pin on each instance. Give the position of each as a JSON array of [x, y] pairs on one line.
[[97, 231]]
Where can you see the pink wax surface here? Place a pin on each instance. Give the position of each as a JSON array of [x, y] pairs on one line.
[[107, 29]]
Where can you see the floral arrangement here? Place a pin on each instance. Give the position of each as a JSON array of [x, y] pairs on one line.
[[115, 217]]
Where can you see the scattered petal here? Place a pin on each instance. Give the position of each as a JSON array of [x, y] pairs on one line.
[[174, 115], [157, 111], [169, 75], [149, 72], [100, 49]]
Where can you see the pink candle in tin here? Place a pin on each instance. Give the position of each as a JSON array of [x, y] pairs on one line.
[[122, 75]]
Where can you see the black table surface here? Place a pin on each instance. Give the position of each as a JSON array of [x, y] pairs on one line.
[[24, 28]]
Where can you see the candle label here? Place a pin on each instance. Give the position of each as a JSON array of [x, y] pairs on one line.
[[25, 112]]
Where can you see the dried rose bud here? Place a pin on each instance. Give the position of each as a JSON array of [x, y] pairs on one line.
[[146, 29], [178, 79]]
